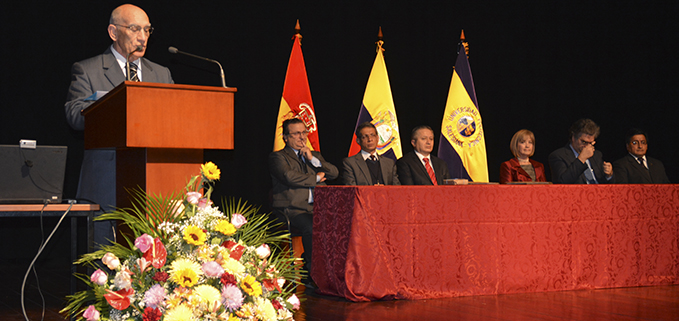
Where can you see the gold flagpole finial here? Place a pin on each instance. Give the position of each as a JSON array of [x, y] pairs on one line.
[[297, 31], [463, 42], [380, 42]]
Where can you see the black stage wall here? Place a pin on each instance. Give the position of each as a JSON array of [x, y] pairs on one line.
[[536, 65]]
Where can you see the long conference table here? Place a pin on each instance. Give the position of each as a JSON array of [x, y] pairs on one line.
[[418, 242]]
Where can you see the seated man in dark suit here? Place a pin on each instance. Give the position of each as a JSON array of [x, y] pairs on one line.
[[295, 172], [578, 162], [419, 167], [129, 29], [636, 167], [366, 167]]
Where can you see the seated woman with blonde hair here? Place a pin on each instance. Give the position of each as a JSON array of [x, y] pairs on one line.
[[522, 168]]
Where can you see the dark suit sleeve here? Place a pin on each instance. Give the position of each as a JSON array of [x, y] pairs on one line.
[[75, 99], [659, 170], [443, 168], [404, 172], [564, 172], [620, 171], [348, 175], [331, 172], [281, 168]]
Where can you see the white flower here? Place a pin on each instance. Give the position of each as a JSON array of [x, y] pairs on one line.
[[263, 251], [111, 261]]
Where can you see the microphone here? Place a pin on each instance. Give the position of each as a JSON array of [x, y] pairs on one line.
[[127, 60], [221, 70]]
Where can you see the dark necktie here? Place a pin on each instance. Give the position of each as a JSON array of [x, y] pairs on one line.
[[133, 72], [642, 161], [301, 159], [430, 171]]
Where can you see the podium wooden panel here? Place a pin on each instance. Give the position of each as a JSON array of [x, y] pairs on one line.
[[159, 132]]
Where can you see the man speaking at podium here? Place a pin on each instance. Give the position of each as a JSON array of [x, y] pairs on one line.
[[130, 29]]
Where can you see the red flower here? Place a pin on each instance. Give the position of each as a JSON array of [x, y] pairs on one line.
[[160, 277], [151, 314], [276, 305], [270, 285], [156, 254], [236, 250], [228, 279], [119, 300]]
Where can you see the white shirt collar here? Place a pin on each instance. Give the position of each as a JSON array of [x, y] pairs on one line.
[[121, 62], [366, 155]]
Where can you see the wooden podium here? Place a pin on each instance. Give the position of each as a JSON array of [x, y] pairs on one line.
[[159, 132]]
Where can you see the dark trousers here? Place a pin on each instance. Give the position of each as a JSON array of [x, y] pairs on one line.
[[304, 223]]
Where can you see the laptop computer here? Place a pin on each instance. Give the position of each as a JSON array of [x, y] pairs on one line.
[[32, 175]]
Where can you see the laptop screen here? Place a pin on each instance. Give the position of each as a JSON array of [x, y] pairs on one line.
[[32, 175]]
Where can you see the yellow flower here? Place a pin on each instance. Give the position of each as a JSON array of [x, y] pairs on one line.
[[185, 272], [180, 313], [225, 228], [194, 235], [251, 286], [210, 171], [232, 266], [208, 294], [265, 310]]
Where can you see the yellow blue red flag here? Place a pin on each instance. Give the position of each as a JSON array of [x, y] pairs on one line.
[[378, 108], [462, 144], [296, 100]]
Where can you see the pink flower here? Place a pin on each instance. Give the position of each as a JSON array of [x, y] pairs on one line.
[[294, 301], [99, 277], [212, 269], [111, 261], [232, 297], [203, 203], [155, 296], [193, 197], [144, 242], [91, 314], [263, 251], [143, 264], [238, 220]]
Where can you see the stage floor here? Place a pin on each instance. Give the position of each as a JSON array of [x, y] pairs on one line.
[[638, 303]]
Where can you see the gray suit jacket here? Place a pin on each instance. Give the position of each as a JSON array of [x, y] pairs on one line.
[[102, 73], [628, 171], [290, 182], [355, 171]]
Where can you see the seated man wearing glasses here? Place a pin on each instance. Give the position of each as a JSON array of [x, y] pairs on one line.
[[366, 167], [129, 28], [295, 172], [637, 167], [578, 162]]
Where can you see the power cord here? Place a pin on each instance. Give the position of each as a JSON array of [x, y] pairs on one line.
[[42, 247]]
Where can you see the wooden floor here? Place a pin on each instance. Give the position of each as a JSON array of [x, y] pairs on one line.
[[640, 303]]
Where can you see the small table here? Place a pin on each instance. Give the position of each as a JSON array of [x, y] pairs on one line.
[[56, 210]]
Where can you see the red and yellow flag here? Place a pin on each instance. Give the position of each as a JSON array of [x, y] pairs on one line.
[[296, 101]]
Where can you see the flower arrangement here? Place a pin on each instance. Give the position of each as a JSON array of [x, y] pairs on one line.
[[189, 261]]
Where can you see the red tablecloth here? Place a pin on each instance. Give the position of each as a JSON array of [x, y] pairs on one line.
[[416, 242]]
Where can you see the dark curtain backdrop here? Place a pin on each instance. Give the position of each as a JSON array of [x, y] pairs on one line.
[[536, 65]]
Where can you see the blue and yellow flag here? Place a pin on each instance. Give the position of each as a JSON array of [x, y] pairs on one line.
[[378, 108], [462, 144]]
